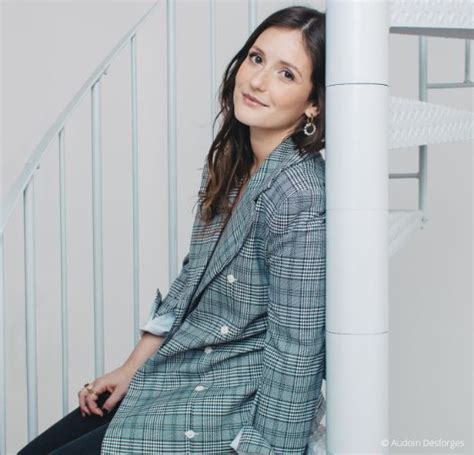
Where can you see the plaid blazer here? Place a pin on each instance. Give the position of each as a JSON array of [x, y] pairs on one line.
[[246, 352]]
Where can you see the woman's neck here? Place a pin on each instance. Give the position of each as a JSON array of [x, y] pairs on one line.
[[263, 142]]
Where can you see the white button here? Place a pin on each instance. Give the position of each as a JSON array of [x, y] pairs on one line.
[[208, 349], [231, 278], [199, 388], [224, 330], [190, 434]]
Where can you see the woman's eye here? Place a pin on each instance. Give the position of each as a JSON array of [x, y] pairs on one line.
[[253, 54], [288, 74]]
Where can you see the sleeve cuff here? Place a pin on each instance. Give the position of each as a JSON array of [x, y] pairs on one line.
[[160, 325], [235, 443], [250, 441]]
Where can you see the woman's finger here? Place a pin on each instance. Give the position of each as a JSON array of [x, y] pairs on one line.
[[82, 402], [92, 405], [91, 398], [86, 394], [112, 400]]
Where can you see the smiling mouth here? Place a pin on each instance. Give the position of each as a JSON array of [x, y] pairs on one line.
[[252, 101]]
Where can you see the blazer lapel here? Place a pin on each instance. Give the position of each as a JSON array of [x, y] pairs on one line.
[[213, 248]]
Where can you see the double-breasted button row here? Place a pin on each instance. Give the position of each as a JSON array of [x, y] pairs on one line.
[[231, 278], [190, 434], [199, 387], [224, 329], [208, 349]]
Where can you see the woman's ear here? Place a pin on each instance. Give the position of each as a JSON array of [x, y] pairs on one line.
[[312, 111]]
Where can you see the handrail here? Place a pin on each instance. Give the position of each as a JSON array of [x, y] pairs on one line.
[[9, 203]]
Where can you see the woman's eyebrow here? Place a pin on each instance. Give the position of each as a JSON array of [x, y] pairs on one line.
[[281, 61]]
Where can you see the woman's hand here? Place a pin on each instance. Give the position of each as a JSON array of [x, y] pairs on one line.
[[116, 383]]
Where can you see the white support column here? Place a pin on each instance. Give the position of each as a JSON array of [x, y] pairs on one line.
[[357, 96]]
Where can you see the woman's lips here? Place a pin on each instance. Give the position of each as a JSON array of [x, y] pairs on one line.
[[251, 102]]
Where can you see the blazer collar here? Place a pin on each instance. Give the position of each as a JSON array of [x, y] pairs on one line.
[[285, 154], [213, 248]]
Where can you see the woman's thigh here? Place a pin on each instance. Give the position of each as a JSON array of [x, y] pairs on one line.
[[88, 444], [69, 428]]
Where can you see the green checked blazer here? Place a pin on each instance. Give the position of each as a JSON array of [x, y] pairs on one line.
[[245, 354]]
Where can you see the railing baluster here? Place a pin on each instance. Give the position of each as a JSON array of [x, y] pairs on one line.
[[97, 229], [404, 175], [467, 61], [212, 21], [423, 149], [172, 161], [30, 309], [252, 15], [136, 251], [3, 369], [63, 259]]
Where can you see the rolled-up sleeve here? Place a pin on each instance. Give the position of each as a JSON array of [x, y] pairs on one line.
[[294, 352], [235, 442], [161, 315], [160, 325]]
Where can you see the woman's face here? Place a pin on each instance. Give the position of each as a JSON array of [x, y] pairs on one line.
[[277, 72]]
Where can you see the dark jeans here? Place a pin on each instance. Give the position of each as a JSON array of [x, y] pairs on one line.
[[73, 434]]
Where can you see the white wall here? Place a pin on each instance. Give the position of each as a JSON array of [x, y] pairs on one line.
[[50, 48]]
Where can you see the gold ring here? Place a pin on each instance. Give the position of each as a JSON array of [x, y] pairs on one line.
[[89, 388]]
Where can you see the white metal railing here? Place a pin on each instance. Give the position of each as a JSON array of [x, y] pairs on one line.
[[22, 191]]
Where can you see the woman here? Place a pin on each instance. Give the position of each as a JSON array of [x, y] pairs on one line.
[[241, 366]]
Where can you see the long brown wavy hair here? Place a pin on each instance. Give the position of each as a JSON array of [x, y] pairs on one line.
[[230, 158]]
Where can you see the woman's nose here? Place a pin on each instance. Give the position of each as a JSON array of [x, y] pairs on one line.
[[259, 80]]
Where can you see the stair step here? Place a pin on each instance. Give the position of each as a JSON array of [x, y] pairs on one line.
[[415, 122], [444, 18]]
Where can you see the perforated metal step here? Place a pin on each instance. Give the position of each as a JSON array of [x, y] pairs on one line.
[[445, 18], [416, 123]]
